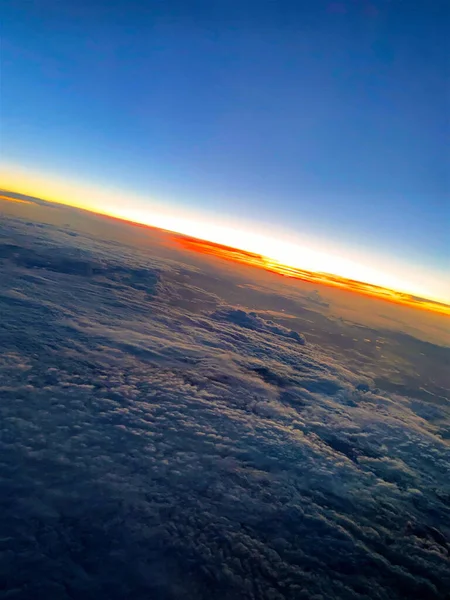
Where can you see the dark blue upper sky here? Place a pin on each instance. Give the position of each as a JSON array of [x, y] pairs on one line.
[[324, 117]]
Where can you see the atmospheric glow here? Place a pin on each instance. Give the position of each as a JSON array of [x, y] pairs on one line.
[[164, 215], [268, 264]]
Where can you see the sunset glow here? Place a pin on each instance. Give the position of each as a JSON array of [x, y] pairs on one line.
[[285, 258], [269, 264], [281, 255]]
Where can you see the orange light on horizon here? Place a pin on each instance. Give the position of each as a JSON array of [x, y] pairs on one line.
[[268, 264], [279, 254], [16, 200]]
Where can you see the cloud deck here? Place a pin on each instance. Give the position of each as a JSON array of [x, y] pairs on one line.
[[162, 436]]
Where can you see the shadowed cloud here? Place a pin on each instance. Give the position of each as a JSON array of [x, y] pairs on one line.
[[166, 431]]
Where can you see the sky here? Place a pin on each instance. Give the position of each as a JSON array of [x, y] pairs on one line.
[[315, 132]]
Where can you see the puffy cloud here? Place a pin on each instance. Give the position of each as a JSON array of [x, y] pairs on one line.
[[158, 440], [250, 320]]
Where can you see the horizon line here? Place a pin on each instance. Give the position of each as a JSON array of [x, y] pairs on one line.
[[257, 260]]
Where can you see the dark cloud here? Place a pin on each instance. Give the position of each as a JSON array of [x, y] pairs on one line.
[[157, 442]]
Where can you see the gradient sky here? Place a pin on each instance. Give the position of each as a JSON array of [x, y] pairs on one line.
[[325, 123]]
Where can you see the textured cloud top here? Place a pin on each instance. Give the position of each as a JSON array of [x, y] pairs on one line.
[[171, 429]]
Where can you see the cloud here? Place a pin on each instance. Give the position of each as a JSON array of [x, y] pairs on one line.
[[250, 320], [158, 441]]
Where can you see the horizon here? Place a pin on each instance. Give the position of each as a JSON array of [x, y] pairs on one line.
[[260, 261]]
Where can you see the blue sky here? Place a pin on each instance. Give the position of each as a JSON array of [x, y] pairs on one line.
[[321, 119]]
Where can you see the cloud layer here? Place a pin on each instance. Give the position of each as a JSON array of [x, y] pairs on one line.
[[158, 441]]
